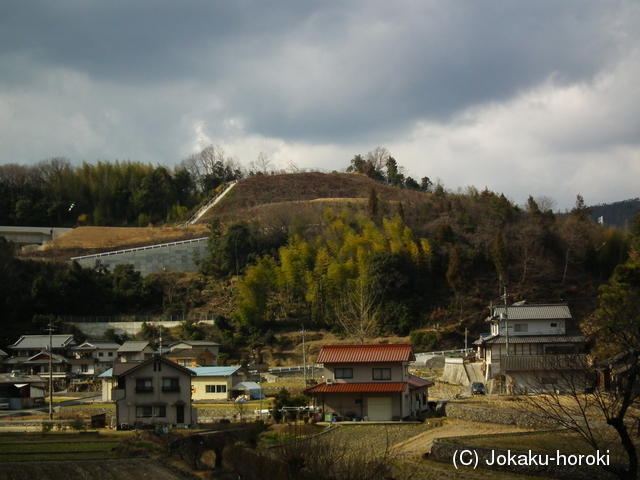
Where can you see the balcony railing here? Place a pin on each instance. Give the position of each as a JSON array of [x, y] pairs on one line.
[[144, 389], [172, 388]]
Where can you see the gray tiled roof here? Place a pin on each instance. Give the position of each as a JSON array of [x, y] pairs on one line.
[[87, 346], [133, 346], [531, 312], [40, 342]]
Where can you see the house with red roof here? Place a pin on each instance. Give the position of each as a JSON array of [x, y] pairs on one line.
[[369, 382]]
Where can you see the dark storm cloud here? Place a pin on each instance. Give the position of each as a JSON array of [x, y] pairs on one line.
[[460, 80]]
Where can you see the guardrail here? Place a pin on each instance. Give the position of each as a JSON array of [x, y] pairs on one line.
[[445, 352], [137, 249], [207, 317], [299, 368]]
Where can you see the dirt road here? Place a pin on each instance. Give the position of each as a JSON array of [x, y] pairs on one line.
[[451, 428]]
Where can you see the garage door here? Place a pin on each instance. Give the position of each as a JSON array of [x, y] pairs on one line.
[[380, 408]]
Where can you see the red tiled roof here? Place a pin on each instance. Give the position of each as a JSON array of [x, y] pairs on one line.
[[365, 353], [383, 387]]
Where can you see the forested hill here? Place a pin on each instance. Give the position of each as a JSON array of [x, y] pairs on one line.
[[616, 214], [344, 252]]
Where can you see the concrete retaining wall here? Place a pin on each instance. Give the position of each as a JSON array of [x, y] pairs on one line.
[[454, 372], [169, 258], [97, 329]]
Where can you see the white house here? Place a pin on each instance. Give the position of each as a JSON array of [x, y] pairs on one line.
[[530, 345], [93, 358]]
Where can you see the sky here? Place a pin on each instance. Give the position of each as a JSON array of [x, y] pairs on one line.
[[522, 97]]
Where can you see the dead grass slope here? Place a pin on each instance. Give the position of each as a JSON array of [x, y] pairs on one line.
[[258, 196]]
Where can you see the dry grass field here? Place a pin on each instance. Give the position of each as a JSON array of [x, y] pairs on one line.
[[89, 240], [275, 198]]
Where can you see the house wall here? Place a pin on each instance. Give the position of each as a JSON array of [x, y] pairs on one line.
[[344, 403], [364, 373], [127, 399], [145, 354], [530, 327], [199, 388], [538, 381], [205, 359]]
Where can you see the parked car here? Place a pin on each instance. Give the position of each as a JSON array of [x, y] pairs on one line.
[[477, 388], [4, 404]]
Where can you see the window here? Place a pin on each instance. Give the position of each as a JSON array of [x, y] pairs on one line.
[[144, 412], [157, 366], [554, 325], [144, 385], [382, 374], [111, 354], [549, 381], [149, 411], [216, 389], [170, 385], [343, 372], [520, 327], [101, 354], [358, 401], [84, 368]]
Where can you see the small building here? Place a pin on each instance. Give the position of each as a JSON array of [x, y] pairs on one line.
[[215, 383], [22, 390], [369, 382], [151, 392], [135, 350]]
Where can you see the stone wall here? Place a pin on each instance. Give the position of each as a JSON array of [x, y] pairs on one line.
[[500, 416]]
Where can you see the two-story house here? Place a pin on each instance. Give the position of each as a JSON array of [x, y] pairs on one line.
[[194, 353], [154, 391], [532, 346], [31, 354], [370, 382], [92, 358], [136, 350]]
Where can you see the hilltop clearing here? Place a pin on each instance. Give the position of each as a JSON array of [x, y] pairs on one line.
[[272, 196]]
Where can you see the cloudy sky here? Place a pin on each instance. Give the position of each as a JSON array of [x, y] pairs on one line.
[[523, 97]]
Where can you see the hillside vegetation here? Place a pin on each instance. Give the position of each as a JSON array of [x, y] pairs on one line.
[[341, 252]]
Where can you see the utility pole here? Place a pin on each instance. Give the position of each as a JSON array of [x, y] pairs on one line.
[[304, 359], [466, 330], [50, 370]]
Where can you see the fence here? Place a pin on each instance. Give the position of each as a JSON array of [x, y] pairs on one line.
[[139, 318]]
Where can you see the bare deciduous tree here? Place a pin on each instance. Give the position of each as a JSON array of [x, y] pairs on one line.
[[358, 308]]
